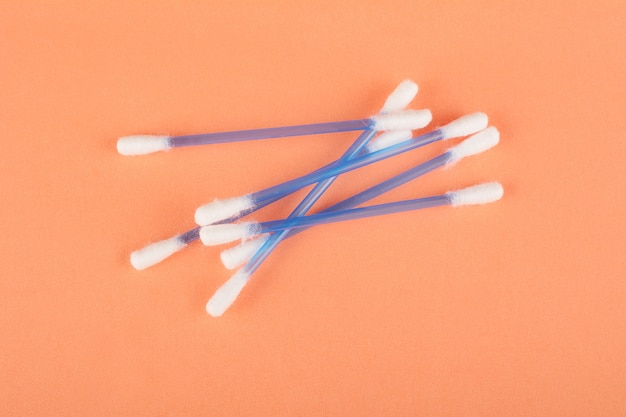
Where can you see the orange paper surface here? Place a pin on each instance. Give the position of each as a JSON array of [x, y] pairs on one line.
[[515, 308]]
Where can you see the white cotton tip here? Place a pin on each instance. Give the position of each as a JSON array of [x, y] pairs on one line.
[[222, 209], [465, 125], [477, 194], [401, 97], [227, 294], [155, 253], [238, 255], [218, 234], [142, 144], [387, 139], [475, 144], [405, 120]]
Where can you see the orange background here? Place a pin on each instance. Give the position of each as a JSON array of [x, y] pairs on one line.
[[515, 308]]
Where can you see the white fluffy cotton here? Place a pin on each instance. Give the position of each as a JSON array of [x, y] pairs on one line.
[[475, 144], [142, 144], [477, 194], [227, 294], [405, 120], [387, 139], [155, 253], [218, 234], [222, 209], [465, 125], [238, 255], [401, 97]]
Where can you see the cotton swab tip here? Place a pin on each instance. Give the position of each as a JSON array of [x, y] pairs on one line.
[[477, 194], [387, 139], [465, 125], [142, 144], [218, 234], [405, 120], [401, 97], [238, 255], [227, 294], [222, 209], [155, 253], [475, 144]]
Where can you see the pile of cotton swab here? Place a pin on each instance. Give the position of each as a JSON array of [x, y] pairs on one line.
[[217, 221]]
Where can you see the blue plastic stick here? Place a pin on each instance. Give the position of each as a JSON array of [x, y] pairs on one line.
[[272, 132], [351, 214]]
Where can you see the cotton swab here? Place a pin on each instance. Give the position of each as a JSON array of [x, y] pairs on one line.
[[145, 144], [478, 194], [478, 143], [156, 252], [233, 207]]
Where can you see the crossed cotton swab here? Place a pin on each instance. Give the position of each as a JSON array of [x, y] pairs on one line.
[[145, 144], [158, 251], [223, 233], [215, 219], [478, 194], [237, 207]]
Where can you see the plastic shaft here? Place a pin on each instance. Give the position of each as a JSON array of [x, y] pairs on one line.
[[353, 214], [272, 132]]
